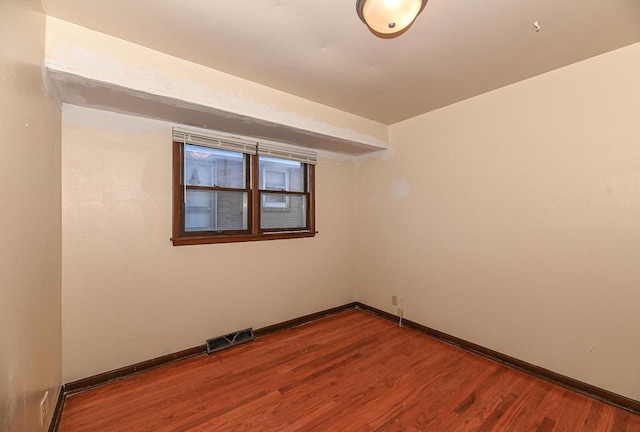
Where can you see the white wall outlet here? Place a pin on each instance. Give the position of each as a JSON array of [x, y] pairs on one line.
[[394, 300], [44, 408]]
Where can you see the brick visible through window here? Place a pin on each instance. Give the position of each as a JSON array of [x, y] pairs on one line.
[[222, 196]]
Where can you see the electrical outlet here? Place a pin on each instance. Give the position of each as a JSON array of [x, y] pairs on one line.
[[44, 408], [394, 300]]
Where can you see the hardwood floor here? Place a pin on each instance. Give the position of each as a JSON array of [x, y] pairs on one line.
[[349, 372]]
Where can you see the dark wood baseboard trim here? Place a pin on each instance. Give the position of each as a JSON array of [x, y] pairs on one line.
[[93, 381], [302, 320], [546, 374], [556, 378], [57, 411], [103, 378]]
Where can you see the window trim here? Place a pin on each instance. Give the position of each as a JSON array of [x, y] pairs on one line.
[[186, 186], [275, 206], [255, 233]]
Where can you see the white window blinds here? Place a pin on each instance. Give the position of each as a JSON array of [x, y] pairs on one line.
[[245, 145], [294, 154], [215, 141]]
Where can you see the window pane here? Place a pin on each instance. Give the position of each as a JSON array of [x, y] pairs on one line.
[[215, 211], [281, 175], [212, 167], [290, 211]]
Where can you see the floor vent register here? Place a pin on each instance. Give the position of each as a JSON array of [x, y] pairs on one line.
[[232, 339]]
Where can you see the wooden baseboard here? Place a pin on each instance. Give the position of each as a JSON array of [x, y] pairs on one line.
[[86, 383], [573, 384], [302, 320], [57, 411], [93, 381], [546, 374]]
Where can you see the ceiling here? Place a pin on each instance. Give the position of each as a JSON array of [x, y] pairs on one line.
[[321, 51]]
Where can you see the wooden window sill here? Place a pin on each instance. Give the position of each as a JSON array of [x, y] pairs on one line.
[[198, 240]]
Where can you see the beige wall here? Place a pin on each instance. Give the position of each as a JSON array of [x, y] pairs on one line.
[[129, 295], [512, 220], [30, 214]]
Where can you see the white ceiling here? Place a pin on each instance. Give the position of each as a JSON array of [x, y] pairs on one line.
[[320, 50]]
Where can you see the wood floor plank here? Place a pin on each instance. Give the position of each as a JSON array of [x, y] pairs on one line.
[[349, 372], [546, 425], [534, 407]]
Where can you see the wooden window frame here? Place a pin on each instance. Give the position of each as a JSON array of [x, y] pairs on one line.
[[181, 237]]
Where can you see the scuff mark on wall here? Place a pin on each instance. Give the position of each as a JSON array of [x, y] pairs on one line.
[[400, 189]]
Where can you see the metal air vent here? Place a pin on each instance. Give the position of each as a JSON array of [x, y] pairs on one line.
[[232, 339]]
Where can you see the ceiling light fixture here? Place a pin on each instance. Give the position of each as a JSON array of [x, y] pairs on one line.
[[389, 18]]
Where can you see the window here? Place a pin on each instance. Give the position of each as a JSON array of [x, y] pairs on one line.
[[274, 180], [230, 190]]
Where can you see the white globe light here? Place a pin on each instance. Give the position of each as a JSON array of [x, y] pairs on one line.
[[388, 17]]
